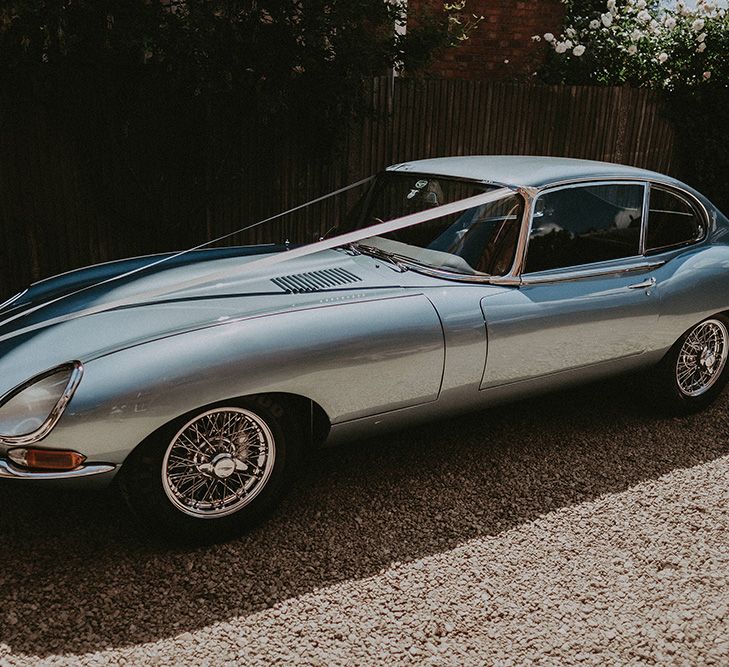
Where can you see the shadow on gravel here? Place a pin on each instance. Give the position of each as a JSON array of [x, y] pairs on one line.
[[75, 578]]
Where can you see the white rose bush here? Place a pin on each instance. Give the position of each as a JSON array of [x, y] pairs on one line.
[[632, 42], [678, 49]]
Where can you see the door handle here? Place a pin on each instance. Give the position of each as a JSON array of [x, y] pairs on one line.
[[646, 284]]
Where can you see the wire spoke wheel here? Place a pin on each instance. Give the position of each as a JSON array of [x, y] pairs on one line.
[[218, 462], [702, 358]]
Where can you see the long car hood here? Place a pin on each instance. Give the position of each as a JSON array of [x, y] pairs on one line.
[[33, 338]]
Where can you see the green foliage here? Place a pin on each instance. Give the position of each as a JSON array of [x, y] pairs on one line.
[[277, 59]]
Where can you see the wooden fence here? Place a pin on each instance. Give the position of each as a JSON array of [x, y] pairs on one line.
[[74, 198]]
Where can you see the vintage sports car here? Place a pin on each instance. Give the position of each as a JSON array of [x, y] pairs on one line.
[[197, 379]]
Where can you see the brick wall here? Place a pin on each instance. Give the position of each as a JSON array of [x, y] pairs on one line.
[[501, 47]]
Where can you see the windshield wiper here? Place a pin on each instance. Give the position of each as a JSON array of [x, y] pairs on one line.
[[378, 253]]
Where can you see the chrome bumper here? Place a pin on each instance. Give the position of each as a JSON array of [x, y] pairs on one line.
[[9, 471]]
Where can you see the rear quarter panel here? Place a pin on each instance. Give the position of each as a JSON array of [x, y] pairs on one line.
[[692, 285]]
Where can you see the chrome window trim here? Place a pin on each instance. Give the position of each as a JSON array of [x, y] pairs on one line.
[[644, 218], [694, 203], [647, 179], [595, 270], [47, 426], [516, 276], [582, 184], [481, 278]]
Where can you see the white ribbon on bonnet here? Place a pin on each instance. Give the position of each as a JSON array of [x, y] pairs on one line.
[[255, 265]]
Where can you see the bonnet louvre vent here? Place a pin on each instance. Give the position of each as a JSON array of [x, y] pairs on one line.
[[313, 281]]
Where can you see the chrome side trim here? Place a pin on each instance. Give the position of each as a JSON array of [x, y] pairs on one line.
[[46, 427], [592, 272], [9, 471]]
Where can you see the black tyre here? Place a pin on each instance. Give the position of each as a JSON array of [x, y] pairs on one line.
[[213, 473], [695, 370]]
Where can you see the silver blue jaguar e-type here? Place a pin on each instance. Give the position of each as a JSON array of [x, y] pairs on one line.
[[197, 379]]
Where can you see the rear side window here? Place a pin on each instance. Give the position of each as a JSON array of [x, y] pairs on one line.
[[585, 224], [672, 221]]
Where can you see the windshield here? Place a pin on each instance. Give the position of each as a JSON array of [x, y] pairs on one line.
[[480, 240]]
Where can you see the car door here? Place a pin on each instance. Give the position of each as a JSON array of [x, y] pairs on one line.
[[587, 292]]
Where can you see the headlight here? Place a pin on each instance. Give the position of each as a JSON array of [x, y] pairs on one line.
[[31, 410]]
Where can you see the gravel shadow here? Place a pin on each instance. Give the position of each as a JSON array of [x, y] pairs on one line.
[[76, 578]]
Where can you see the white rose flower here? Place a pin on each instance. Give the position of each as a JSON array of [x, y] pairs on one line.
[[548, 37], [570, 32], [611, 5], [697, 25], [670, 23], [702, 37], [568, 43], [641, 4], [560, 47], [594, 24], [644, 16], [662, 57], [702, 47], [707, 76], [607, 19], [578, 50], [632, 50], [635, 35]]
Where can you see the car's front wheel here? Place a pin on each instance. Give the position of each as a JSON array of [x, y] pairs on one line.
[[695, 370], [213, 473]]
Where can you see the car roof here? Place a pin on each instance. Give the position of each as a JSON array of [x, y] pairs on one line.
[[526, 170]]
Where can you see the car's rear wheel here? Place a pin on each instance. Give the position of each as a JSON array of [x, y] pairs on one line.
[[213, 473], [695, 370]]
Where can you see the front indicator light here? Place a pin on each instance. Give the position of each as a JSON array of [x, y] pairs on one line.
[[46, 459]]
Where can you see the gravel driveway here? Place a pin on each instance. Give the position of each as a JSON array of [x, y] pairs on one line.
[[574, 528]]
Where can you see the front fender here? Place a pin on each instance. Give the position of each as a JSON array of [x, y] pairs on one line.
[[353, 359]]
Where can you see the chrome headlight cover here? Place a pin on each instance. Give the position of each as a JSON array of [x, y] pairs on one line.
[[51, 406]]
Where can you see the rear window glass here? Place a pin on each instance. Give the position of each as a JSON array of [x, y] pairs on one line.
[[672, 221]]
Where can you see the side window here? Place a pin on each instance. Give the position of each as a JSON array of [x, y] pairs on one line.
[[585, 224], [672, 221]]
